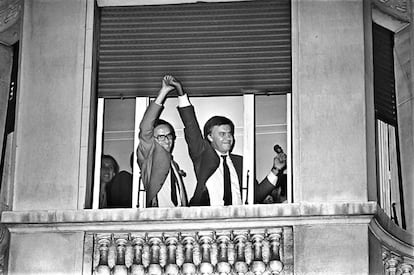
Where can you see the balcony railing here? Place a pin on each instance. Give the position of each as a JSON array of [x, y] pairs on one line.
[[260, 251]]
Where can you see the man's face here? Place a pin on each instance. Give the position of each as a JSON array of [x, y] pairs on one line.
[[107, 170], [221, 138], [164, 137]]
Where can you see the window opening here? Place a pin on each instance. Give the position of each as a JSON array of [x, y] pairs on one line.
[[232, 49], [390, 188]]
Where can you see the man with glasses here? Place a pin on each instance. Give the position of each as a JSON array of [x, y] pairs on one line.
[[162, 178]]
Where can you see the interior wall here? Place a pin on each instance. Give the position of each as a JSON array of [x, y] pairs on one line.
[[271, 129], [119, 127]]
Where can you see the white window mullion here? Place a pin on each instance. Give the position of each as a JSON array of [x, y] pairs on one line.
[[289, 147], [138, 193], [248, 148], [98, 152]]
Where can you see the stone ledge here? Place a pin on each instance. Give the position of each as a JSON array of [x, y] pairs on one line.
[[274, 212]]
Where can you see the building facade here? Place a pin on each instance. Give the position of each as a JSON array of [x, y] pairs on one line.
[[335, 221]]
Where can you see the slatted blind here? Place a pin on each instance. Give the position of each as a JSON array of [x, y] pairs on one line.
[[384, 78], [221, 48]]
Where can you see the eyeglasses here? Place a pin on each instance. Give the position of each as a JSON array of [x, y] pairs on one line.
[[164, 137]]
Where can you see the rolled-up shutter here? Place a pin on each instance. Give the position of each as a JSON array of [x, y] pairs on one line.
[[221, 48], [384, 77]]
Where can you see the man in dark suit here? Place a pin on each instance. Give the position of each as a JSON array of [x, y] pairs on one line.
[[160, 174], [218, 171]]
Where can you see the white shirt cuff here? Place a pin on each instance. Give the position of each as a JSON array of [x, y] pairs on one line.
[[183, 101], [272, 178]]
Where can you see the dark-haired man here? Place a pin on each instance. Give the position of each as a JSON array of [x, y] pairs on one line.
[[218, 171], [160, 174]]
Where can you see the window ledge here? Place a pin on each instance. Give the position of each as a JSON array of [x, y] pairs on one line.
[[190, 217]]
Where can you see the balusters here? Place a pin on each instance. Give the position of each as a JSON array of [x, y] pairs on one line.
[[240, 265], [206, 267], [257, 266], [188, 267], [120, 268], [104, 240], [223, 265], [171, 267], [137, 267], [406, 269], [275, 266], [240, 252], [395, 264], [154, 267], [129, 252]]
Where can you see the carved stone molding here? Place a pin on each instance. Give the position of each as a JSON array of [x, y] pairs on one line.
[[10, 12], [259, 251], [398, 9]]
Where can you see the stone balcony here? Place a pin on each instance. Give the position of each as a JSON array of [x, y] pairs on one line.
[[252, 239]]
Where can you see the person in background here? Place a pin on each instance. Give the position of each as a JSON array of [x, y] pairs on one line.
[[278, 194], [218, 171], [109, 168], [161, 175], [119, 189]]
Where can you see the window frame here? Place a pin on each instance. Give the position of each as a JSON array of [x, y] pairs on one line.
[[110, 3]]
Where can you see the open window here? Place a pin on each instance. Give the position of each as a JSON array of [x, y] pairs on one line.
[[389, 173], [235, 56]]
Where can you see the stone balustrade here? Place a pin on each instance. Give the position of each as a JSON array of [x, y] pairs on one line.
[[258, 251], [250, 239], [395, 263]]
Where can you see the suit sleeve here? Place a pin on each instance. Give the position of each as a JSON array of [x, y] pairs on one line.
[[192, 131], [146, 131], [262, 189]]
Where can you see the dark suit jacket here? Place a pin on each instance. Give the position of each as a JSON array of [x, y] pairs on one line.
[[119, 191], [206, 161], [153, 159]]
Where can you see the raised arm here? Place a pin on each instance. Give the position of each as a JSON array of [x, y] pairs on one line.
[[268, 184], [153, 112], [192, 132]]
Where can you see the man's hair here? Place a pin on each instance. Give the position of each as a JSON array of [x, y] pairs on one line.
[[159, 122], [114, 162], [217, 121]]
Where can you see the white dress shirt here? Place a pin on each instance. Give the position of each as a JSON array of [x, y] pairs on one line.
[[215, 184], [164, 195]]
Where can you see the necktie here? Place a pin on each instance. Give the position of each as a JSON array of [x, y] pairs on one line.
[[173, 187], [227, 183]]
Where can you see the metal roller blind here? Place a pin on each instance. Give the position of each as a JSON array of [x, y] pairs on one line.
[[213, 48], [384, 78]]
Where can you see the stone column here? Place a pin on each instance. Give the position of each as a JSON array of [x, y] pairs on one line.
[[330, 151]]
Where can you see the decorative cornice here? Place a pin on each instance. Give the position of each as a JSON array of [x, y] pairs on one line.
[[10, 13], [398, 9]]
